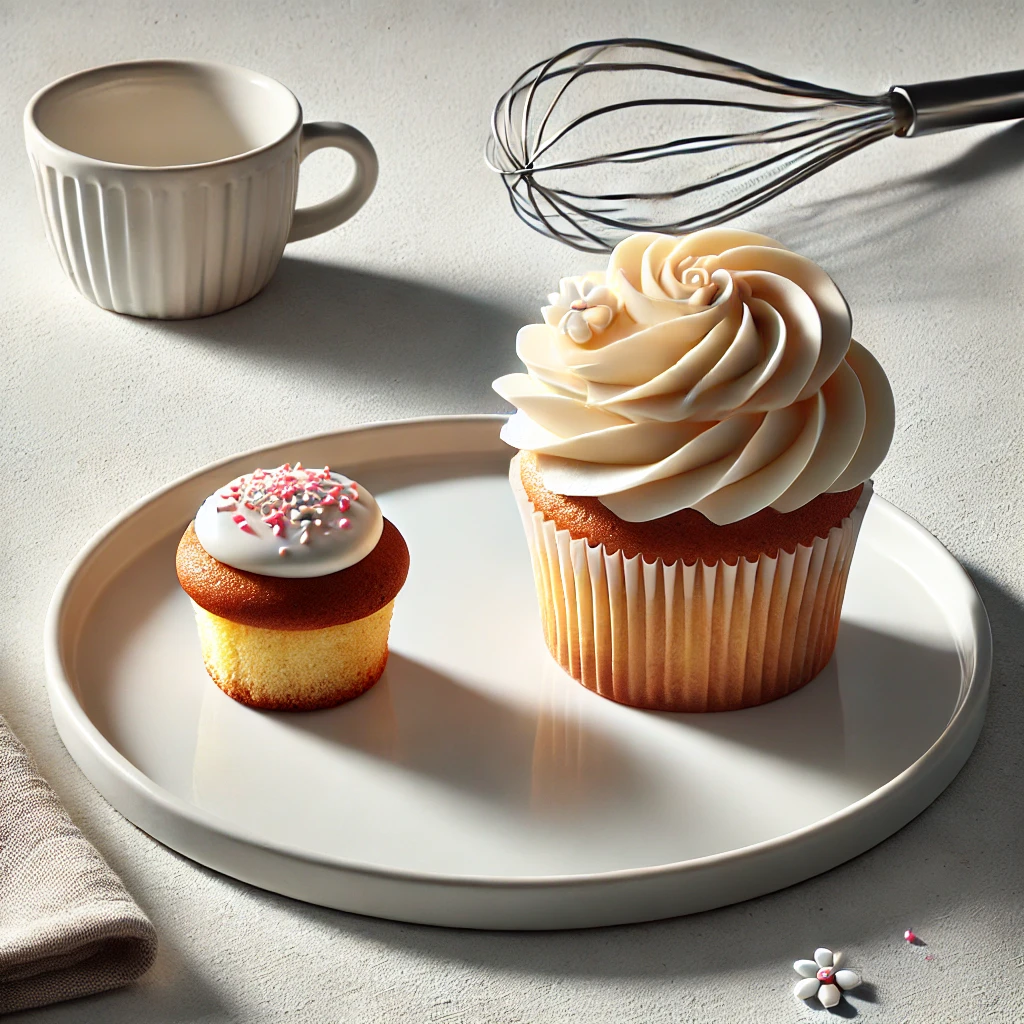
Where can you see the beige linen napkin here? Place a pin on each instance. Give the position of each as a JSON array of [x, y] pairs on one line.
[[68, 927]]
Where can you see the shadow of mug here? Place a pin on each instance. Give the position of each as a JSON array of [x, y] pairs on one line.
[[375, 338]]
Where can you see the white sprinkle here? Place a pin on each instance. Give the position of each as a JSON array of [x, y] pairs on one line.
[[304, 539], [230, 507]]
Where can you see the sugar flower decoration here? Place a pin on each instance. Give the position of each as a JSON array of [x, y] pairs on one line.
[[824, 977], [581, 308]]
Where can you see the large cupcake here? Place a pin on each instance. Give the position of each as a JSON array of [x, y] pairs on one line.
[[697, 430], [293, 573]]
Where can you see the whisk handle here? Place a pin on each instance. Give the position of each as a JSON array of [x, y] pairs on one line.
[[958, 102]]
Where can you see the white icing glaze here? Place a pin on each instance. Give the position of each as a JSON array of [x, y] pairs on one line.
[[326, 525], [714, 371]]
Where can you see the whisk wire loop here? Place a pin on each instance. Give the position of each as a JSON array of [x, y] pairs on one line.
[[550, 131]]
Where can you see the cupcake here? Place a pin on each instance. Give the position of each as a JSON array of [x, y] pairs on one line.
[[293, 575], [697, 430]]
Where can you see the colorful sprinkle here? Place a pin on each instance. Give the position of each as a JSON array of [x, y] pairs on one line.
[[290, 496]]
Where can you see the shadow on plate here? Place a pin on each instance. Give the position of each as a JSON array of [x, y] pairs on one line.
[[544, 760], [565, 755], [943, 862]]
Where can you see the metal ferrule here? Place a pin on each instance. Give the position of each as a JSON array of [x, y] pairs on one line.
[[957, 103]]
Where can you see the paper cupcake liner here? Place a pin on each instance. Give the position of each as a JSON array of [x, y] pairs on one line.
[[679, 637]]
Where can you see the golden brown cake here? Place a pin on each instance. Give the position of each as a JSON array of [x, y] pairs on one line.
[[687, 535], [295, 612], [696, 433]]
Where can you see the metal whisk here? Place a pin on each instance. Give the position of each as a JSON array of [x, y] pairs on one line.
[[623, 135]]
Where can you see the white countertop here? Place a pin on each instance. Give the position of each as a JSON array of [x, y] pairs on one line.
[[412, 308]]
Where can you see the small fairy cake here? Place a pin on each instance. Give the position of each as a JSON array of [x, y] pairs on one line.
[[697, 429], [293, 573]]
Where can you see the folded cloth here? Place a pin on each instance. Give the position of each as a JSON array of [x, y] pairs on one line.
[[68, 927]]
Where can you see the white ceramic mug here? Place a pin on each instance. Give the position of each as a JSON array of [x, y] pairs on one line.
[[168, 187]]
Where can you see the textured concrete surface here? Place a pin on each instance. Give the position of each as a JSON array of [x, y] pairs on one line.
[[411, 309]]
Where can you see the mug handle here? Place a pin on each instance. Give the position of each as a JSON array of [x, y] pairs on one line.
[[312, 220]]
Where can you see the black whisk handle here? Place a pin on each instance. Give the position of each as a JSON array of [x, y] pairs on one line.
[[957, 102]]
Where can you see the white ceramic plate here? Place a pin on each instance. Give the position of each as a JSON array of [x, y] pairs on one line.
[[477, 785]]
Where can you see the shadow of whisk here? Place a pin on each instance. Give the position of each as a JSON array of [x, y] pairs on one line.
[[868, 232]]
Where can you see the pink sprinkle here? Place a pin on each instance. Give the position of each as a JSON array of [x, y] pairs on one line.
[[343, 524], [335, 491], [278, 529], [344, 503], [246, 528], [910, 936], [282, 551], [929, 957], [238, 519], [328, 501]]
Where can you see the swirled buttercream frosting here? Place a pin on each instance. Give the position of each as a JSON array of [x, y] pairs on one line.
[[715, 371], [290, 521]]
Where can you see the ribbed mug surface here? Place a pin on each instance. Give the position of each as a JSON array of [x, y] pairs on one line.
[[169, 243], [168, 187]]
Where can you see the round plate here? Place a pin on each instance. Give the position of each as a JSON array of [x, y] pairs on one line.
[[476, 784]]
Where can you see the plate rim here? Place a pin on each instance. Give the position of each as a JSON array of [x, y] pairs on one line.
[[68, 712]]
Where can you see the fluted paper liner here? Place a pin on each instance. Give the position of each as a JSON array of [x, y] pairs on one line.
[[679, 637]]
